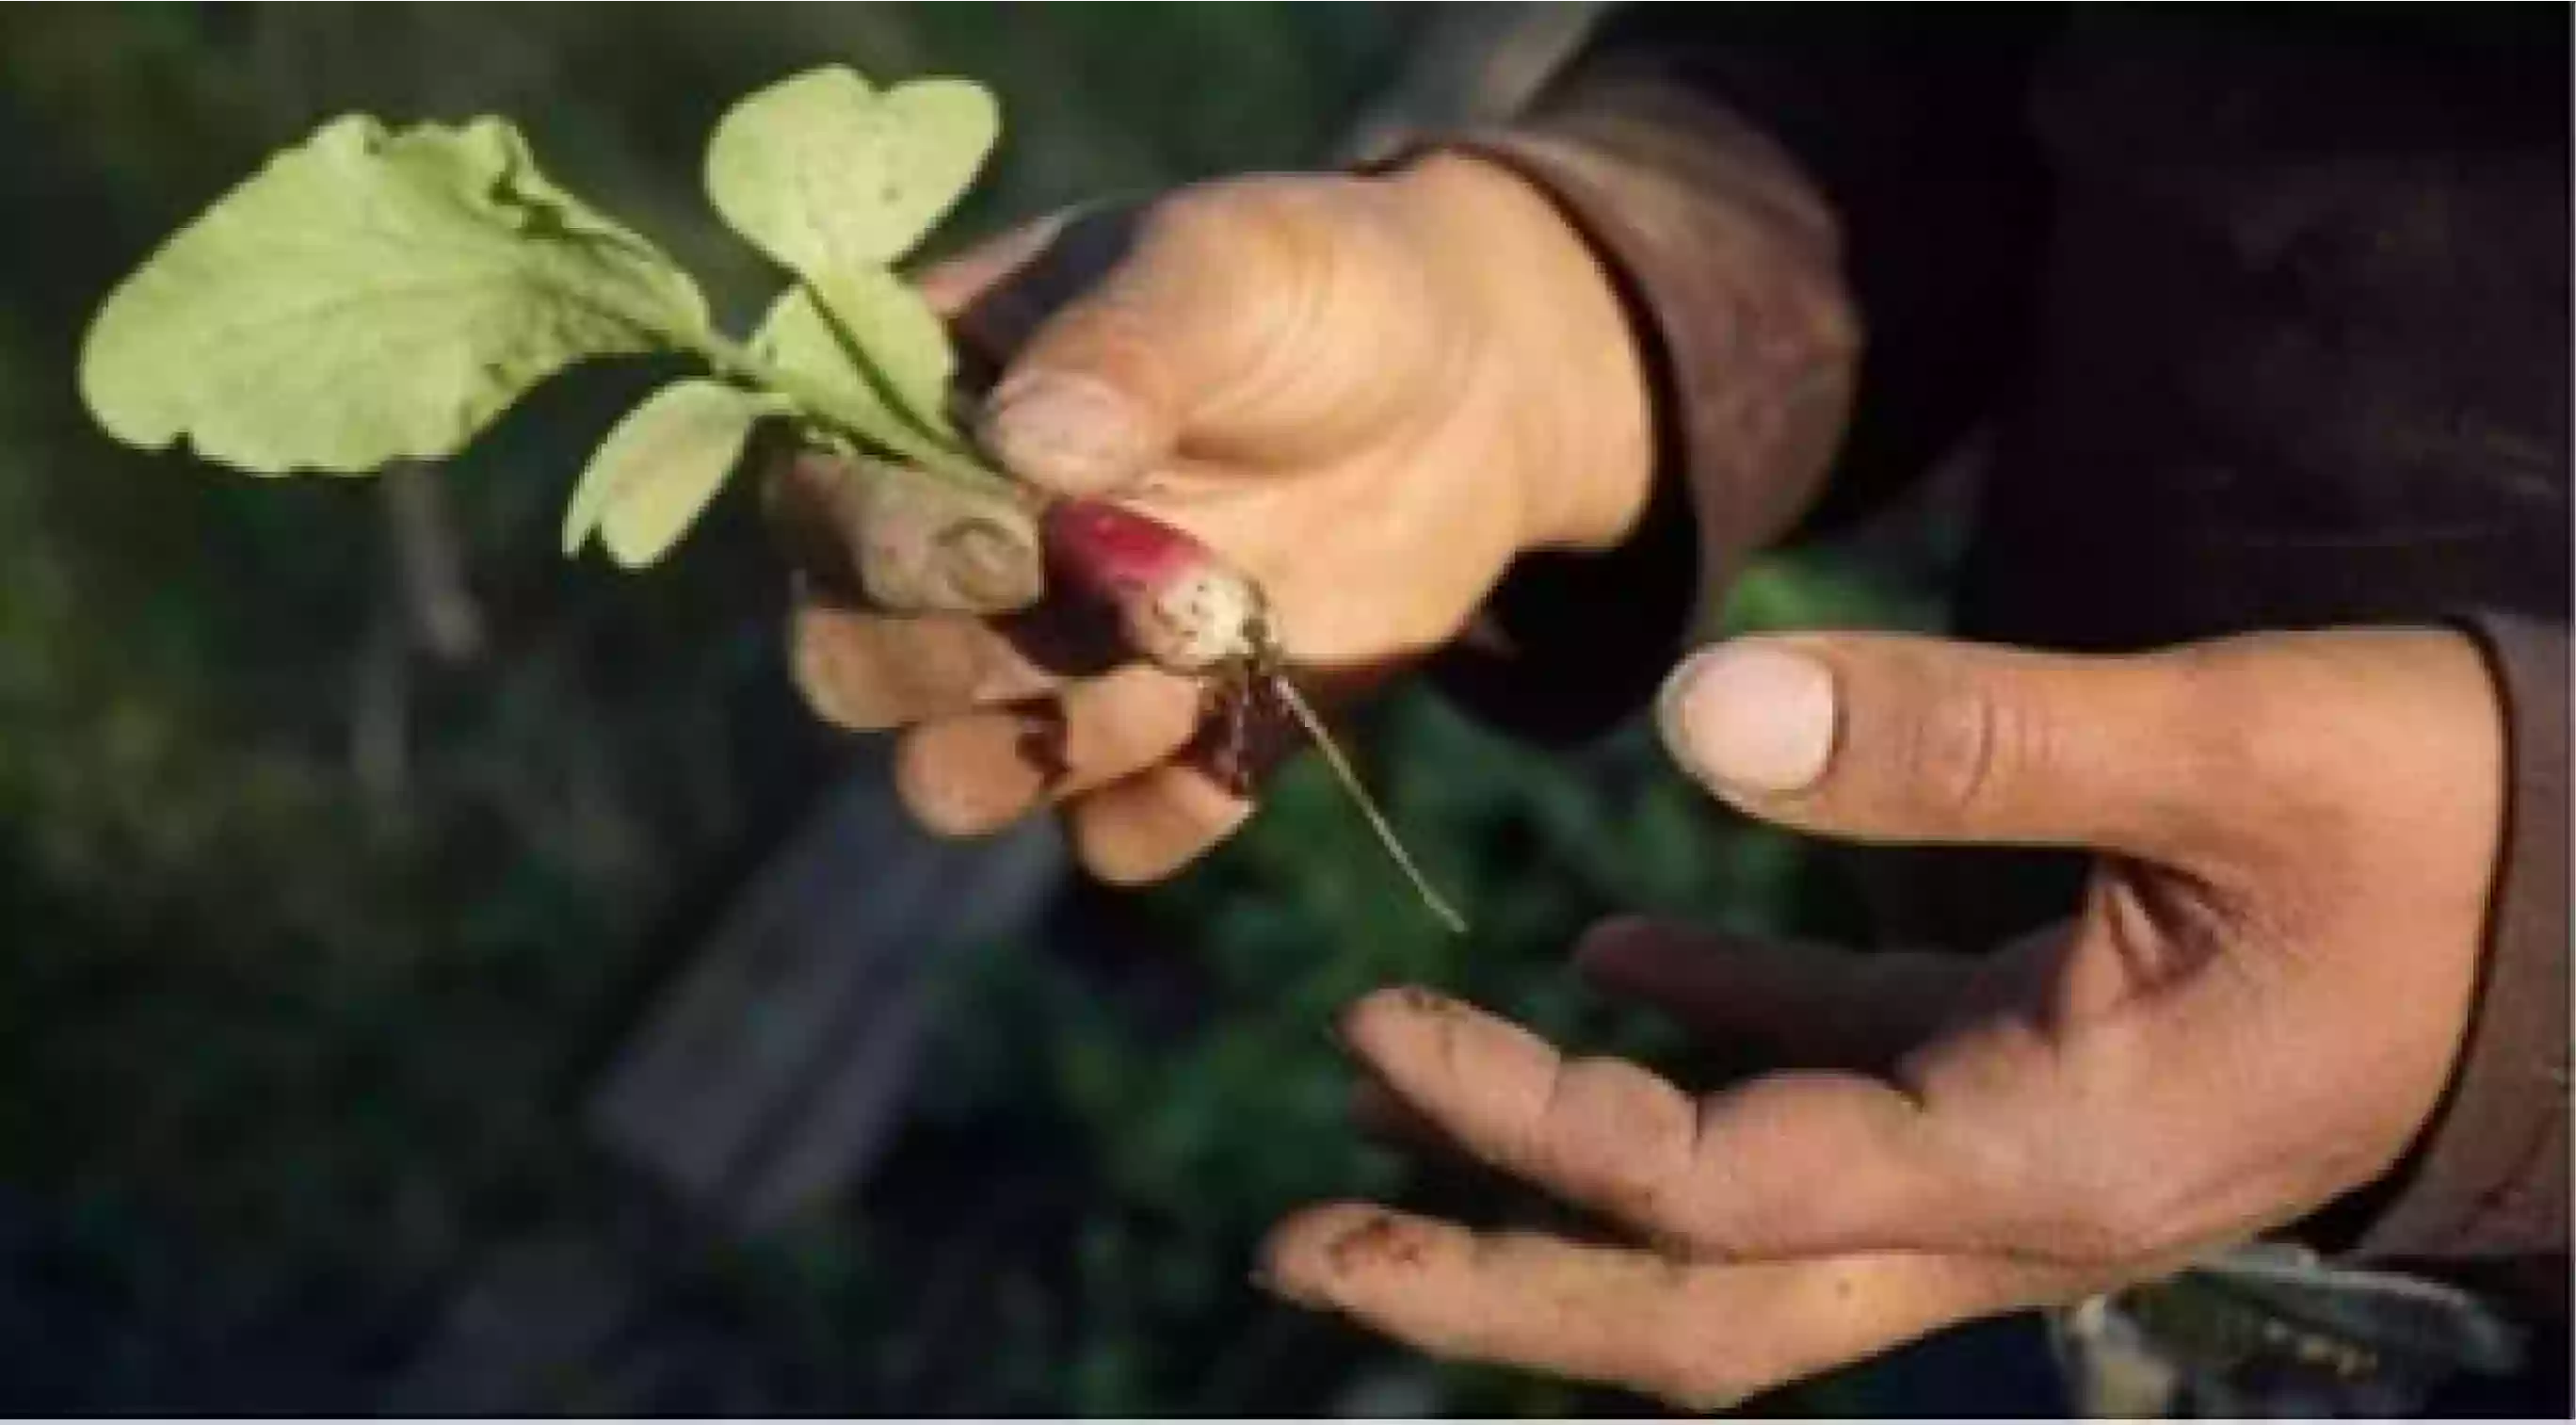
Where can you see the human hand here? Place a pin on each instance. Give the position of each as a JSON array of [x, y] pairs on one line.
[[2255, 1010], [1369, 394]]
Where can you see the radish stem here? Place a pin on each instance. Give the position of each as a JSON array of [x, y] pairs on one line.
[[1350, 780], [896, 437]]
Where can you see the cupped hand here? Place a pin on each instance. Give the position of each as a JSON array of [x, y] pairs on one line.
[[1369, 394], [2255, 1011]]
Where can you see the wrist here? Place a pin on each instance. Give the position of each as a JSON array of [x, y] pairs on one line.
[[1554, 343]]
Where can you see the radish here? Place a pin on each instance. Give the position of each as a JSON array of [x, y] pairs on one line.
[[1185, 610], [1179, 605]]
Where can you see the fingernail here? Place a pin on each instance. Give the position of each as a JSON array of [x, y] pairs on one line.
[[1751, 717], [1071, 431]]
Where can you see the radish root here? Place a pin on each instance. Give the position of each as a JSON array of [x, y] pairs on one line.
[[1191, 614], [1299, 709]]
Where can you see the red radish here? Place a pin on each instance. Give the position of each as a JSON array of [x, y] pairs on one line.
[[1179, 605], [1186, 611]]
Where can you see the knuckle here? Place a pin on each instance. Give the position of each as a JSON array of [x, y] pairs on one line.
[[830, 676], [1298, 234], [1119, 868], [2213, 709], [1115, 861], [925, 779], [1209, 220], [1963, 748], [2247, 719], [1128, 720], [1138, 840], [1617, 1134], [1213, 281]]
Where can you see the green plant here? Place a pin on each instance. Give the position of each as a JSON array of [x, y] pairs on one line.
[[374, 296]]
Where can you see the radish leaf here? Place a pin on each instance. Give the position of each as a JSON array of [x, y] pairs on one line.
[[871, 347], [371, 296], [659, 467], [827, 175]]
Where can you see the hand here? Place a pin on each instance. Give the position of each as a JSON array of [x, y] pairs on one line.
[[2255, 1011], [1369, 394]]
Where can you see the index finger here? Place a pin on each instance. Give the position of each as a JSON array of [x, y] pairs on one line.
[[1788, 1164], [868, 672]]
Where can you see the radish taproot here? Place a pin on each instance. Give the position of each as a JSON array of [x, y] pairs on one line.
[[1187, 611]]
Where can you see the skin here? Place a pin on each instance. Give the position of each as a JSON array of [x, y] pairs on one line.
[[1301, 372], [2256, 1011], [1372, 395]]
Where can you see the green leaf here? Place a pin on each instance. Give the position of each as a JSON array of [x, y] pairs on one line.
[[370, 296], [825, 174], [658, 469], [903, 343], [871, 347]]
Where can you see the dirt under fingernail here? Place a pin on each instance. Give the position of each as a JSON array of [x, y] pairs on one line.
[[1379, 1242]]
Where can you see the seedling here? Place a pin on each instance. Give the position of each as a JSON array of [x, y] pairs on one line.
[[373, 296]]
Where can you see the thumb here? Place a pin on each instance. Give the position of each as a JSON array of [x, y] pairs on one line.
[[1264, 321], [1903, 739]]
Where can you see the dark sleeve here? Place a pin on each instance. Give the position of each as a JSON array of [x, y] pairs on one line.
[[1825, 223], [2484, 1194]]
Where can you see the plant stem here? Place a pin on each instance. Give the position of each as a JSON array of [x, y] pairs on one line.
[[732, 359]]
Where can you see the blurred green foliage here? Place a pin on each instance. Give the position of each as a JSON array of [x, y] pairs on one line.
[[313, 929]]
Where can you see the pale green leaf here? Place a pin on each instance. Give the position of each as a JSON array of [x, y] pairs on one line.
[[371, 296], [529, 190], [801, 341], [825, 174], [871, 351], [903, 343], [658, 469]]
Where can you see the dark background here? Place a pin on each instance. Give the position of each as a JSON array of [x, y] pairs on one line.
[[351, 840]]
